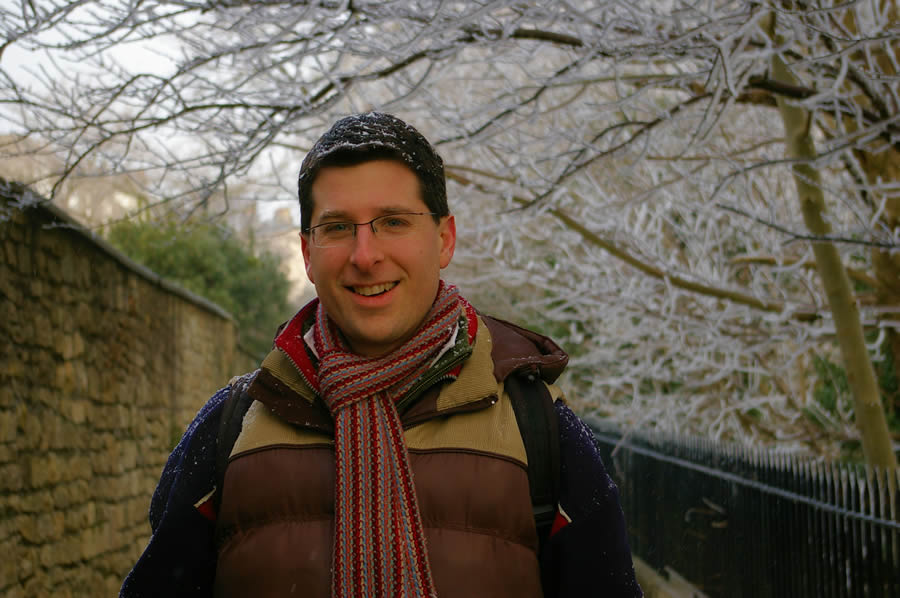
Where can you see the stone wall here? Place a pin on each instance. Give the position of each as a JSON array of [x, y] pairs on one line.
[[102, 365]]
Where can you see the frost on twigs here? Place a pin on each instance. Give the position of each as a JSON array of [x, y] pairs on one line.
[[617, 170]]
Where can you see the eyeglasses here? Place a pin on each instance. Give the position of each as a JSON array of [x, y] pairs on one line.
[[388, 227]]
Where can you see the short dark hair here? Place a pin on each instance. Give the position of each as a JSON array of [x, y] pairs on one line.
[[374, 136]]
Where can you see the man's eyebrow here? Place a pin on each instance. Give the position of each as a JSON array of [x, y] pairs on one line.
[[343, 216], [334, 215]]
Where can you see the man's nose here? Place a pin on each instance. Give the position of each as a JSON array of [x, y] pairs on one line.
[[366, 248]]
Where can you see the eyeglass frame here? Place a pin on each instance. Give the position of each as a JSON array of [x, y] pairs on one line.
[[370, 223]]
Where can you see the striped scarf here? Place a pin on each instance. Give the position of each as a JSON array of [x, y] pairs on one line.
[[379, 541]]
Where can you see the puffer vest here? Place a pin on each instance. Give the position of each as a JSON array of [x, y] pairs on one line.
[[276, 518]]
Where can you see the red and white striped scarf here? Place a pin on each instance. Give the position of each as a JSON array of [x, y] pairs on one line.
[[379, 541]]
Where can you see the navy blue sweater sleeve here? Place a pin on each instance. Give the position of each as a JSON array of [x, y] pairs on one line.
[[589, 555], [180, 559]]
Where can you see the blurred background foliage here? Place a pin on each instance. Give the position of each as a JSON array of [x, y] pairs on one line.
[[210, 260]]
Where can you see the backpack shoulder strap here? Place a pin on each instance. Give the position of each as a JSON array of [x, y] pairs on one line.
[[535, 416], [537, 420], [233, 410]]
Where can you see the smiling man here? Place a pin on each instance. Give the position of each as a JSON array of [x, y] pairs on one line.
[[377, 279], [395, 442]]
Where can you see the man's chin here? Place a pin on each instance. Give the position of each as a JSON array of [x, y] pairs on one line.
[[376, 345]]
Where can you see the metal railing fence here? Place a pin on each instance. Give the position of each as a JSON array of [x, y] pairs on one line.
[[743, 522]]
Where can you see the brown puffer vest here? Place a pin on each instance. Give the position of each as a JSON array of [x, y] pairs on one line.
[[275, 522]]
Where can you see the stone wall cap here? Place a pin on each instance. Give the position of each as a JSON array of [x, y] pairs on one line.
[[23, 198]]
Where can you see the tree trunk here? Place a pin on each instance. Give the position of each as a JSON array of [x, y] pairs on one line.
[[870, 418], [880, 164]]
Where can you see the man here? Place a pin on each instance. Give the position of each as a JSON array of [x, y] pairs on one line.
[[381, 454]]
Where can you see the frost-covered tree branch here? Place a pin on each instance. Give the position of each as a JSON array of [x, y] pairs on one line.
[[793, 236]]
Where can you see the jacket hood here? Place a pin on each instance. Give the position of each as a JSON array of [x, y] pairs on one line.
[[519, 350]]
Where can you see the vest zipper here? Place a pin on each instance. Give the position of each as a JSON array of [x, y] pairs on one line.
[[432, 377]]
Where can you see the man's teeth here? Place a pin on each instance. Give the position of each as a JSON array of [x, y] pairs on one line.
[[375, 289]]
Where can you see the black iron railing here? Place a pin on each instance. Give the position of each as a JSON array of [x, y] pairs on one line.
[[743, 522]]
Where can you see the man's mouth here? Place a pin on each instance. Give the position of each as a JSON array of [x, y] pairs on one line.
[[375, 289]]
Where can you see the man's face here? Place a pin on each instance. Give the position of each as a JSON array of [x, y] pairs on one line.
[[377, 291]]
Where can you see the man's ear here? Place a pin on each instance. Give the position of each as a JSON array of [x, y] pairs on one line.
[[304, 247], [447, 232]]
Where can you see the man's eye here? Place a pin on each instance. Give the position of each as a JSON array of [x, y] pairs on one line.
[[336, 228], [395, 222]]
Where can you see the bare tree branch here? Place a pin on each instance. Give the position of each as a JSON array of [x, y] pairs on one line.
[[795, 236]]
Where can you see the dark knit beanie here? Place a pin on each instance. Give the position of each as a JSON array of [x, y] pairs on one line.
[[374, 136]]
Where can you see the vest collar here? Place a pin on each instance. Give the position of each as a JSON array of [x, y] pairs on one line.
[[288, 384]]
